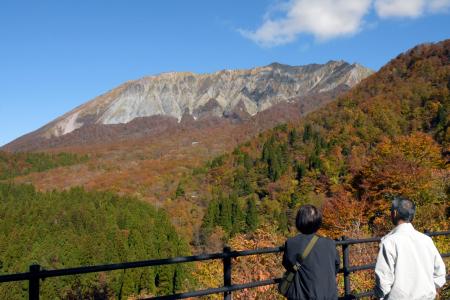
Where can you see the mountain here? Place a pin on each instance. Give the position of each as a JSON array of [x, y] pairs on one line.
[[387, 135], [169, 98]]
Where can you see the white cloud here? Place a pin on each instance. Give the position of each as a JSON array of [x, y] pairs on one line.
[[324, 19], [437, 6], [328, 19], [409, 8], [399, 8]]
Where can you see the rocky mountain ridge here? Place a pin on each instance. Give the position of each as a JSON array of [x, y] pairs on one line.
[[220, 94]]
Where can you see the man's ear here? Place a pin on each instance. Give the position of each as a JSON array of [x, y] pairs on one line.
[[394, 215]]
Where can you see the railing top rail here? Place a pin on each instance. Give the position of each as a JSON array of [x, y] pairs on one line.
[[15, 277], [348, 241], [167, 261], [436, 233]]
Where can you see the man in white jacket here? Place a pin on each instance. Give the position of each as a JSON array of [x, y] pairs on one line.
[[408, 265]]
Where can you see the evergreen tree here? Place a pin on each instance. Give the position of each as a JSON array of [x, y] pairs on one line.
[[251, 215], [180, 190], [165, 280], [211, 218], [248, 162], [276, 158], [274, 168], [314, 162], [225, 208], [295, 199], [307, 133], [293, 137], [237, 216], [241, 183], [282, 222], [300, 171]]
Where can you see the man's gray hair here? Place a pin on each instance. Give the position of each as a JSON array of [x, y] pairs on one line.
[[405, 208]]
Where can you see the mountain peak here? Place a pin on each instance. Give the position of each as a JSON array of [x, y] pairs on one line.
[[176, 94], [277, 65]]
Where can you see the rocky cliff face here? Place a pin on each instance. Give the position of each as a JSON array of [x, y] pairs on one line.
[[199, 96]]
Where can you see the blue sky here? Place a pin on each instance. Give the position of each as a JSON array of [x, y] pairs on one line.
[[56, 55]]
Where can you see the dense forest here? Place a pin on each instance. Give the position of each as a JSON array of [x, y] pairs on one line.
[[389, 135], [78, 228], [23, 163]]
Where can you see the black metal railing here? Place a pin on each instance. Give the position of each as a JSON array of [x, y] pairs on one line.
[[35, 273]]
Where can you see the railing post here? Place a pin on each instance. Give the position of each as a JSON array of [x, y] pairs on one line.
[[33, 286], [346, 262], [227, 272]]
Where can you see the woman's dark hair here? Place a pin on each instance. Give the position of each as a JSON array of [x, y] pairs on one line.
[[309, 219]]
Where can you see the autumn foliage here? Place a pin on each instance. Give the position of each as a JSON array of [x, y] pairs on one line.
[[387, 136]]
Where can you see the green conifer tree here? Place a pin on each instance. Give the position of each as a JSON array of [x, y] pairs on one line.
[[251, 215], [293, 137], [307, 133], [300, 170], [225, 214], [282, 222], [237, 215], [211, 218], [180, 190]]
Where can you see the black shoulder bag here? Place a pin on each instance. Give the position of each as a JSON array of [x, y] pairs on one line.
[[288, 276]]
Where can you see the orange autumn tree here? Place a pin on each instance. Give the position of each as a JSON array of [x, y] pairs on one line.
[[245, 269], [344, 215], [257, 267], [411, 166]]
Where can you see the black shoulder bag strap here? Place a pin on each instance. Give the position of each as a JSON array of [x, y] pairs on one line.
[[288, 276], [301, 257]]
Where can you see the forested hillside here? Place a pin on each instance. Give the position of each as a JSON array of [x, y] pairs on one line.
[[23, 163], [79, 228], [387, 136]]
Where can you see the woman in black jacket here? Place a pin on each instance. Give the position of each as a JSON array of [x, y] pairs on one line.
[[316, 278]]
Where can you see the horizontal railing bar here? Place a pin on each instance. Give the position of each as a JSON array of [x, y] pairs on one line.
[[365, 294], [437, 233], [156, 262], [357, 241], [361, 268], [168, 261], [130, 265], [15, 277], [231, 288], [235, 254]]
